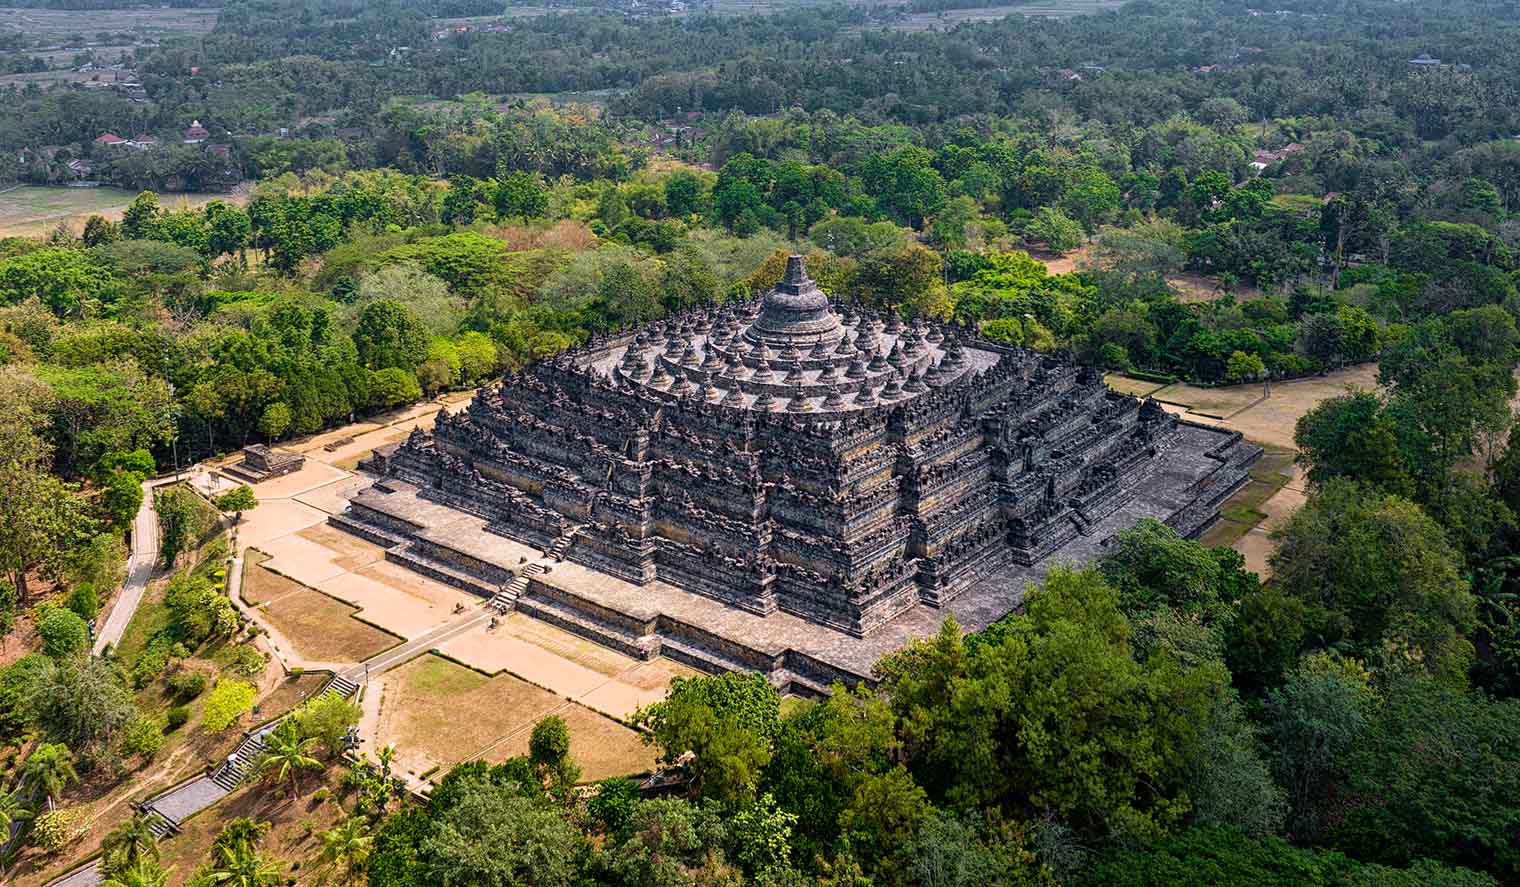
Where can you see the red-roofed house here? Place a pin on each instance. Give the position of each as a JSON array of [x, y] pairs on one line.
[[109, 138], [196, 133]]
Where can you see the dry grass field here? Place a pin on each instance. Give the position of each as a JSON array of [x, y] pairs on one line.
[[439, 713], [600, 746], [321, 628]]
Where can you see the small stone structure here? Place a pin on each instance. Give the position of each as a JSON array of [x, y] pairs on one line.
[[828, 474], [261, 462]]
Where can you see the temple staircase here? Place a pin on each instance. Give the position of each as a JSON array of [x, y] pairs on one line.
[[561, 545], [160, 824], [505, 600], [237, 767]]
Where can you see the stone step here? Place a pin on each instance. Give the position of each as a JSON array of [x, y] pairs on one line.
[[341, 686], [702, 658], [159, 823], [790, 682], [366, 531], [505, 599], [448, 575], [580, 623]]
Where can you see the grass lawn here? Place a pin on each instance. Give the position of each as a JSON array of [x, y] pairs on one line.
[[1239, 513]]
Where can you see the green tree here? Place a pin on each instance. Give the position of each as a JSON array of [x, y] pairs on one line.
[[238, 501], [493, 836], [12, 810], [393, 386], [667, 841], [390, 335], [286, 753], [228, 701], [326, 719], [1384, 575], [122, 497], [727, 721], [128, 845], [1436, 774], [48, 769], [144, 873], [1353, 437], [1055, 229], [1006, 719], [520, 195], [346, 846], [72, 284], [84, 703], [239, 864], [549, 745], [1315, 719], [41, 518], [139, 220]]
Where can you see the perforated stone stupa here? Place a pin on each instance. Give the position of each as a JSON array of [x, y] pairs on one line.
[[840, 466]]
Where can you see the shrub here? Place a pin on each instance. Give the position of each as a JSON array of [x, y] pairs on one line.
[[143, 736], [177, 717], [186, 684], [84, 601], [63, 633], [151, 662], [247, 661], [229, 700], [56, 829]]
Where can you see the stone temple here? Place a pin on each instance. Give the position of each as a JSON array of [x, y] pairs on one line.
[[784, 485]]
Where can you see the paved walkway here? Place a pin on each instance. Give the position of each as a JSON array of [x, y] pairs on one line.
[[140, 567]]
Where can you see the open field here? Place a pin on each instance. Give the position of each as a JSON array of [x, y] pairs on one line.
[[32, 210], [321, 628], [1268, 421], [600, 746], [1243, 511], [73, 27], [422, 702], [949, 18]]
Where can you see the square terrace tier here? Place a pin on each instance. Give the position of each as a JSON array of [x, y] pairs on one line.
[[783, 468]]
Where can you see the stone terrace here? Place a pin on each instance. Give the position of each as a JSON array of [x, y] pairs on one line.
[[1183, 487]]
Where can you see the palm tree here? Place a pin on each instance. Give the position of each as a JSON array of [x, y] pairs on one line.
[[286, 753], [145, 873], [129, 844], [239, 865], [49, 768], [11, 810], [347, 845]]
